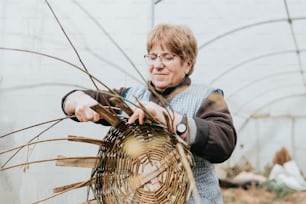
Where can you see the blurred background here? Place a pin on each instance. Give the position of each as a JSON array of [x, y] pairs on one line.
[[252, 49]]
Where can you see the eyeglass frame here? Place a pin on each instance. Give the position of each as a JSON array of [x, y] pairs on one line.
[[161, 58]]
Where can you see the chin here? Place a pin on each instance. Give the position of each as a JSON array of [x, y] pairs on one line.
[[159, 87]]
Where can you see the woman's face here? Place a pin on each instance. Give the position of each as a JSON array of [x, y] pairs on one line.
[[166, 69]]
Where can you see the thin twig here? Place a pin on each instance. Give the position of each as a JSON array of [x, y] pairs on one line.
[[45, 160], [38, 124], [71, 44], [188, 170], [32, 143], [61, 60], [62, 192], [45, 130], [111, 39]]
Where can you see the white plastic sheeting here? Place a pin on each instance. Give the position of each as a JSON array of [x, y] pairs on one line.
[[253, 50]]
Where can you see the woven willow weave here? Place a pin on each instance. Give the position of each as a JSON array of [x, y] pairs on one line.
[[141, 164]]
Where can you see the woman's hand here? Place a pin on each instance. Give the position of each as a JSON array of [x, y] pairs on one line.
[[156, 111], [79, 103]]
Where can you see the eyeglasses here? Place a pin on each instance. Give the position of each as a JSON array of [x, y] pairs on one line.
[[165, 58]]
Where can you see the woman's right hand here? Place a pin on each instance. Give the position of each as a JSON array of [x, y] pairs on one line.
[[79, 103]]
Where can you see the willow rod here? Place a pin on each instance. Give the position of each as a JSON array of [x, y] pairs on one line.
[[46, 160]]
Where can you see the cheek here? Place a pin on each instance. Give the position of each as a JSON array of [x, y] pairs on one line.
[[150, 69], [173, 70], [177, 71]]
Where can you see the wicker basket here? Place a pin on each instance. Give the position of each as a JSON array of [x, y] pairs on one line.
[[141, 164]]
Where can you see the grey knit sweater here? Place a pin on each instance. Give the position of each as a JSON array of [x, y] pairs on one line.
[[189, 101]]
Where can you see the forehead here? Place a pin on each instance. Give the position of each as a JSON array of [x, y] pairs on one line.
[[159, 49]]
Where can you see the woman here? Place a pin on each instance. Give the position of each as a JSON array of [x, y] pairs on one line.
[[200, 111]]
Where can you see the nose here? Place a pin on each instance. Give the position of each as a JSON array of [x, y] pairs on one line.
[[158, 63]]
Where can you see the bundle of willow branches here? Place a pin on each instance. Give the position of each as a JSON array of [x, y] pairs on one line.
[[136, 163]]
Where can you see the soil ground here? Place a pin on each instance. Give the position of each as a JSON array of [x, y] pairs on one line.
[[261, 196]]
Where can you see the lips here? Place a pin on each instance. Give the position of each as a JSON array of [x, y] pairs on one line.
[[160, 74]]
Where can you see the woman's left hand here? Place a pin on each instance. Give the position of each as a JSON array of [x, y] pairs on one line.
[[156, 111]]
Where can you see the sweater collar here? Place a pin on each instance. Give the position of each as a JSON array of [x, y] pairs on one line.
[[185, 82]]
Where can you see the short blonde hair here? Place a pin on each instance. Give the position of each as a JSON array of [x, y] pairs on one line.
[[178, 39]]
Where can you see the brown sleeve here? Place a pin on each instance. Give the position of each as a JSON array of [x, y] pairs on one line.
[[102, 98], [216, 136]]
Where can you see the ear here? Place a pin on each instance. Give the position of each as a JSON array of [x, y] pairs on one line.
[[188, 68]]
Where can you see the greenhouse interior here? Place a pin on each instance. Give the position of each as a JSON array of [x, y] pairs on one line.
[[254, 50]]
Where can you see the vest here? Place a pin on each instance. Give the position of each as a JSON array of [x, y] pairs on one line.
[[189, 102]]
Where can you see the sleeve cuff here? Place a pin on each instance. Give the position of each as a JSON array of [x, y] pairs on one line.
[[192, 130], [64, 100]]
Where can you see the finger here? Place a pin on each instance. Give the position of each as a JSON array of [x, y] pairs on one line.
[[80, 113], [96, 117], [91, 115], [141, 116], [85, 114], [80, 116], [133, 117]]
